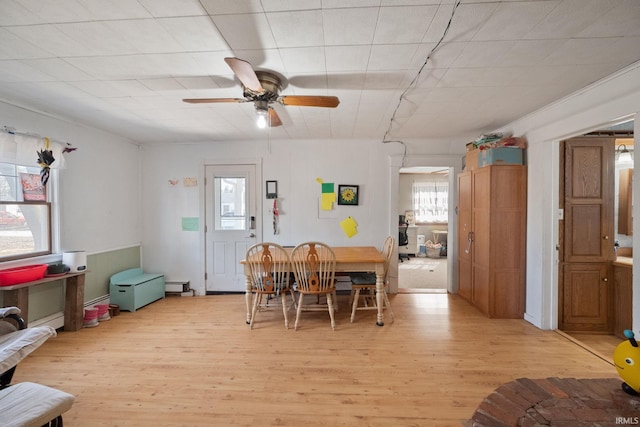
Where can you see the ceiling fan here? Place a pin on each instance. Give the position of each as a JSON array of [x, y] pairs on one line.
[[263, 88]]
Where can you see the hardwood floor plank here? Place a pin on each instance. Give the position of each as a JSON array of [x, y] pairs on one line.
[[193, 361]]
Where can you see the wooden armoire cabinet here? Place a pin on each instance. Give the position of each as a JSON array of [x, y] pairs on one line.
[[491, 239]]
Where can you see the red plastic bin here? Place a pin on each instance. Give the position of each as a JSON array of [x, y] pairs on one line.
[[27, 273]]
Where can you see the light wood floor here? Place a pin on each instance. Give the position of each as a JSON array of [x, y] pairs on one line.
[[192, 361], [602, 344]]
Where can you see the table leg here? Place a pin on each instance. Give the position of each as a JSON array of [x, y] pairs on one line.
[[74, 303], [380, 295], [248, 298], [18, 298]]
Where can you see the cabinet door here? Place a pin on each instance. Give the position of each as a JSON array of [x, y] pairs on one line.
[[586, 297], [588, 234], [465, 238], [508, 236], [481, 253], [622, 301], [588, 204]]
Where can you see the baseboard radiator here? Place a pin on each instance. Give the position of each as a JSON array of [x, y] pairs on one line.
[[56, 320]]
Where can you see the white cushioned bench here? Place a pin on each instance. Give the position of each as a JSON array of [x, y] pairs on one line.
[[133, 288], [32, 405], [16, 344]]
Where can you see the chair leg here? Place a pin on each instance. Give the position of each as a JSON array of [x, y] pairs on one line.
[[388, 305], [283, 301], [256, 301], [331, 314], [295, 326], [354, 304]]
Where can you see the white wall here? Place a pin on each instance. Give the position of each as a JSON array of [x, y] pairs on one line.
[[294, 164], [608, 100], [99, 188]]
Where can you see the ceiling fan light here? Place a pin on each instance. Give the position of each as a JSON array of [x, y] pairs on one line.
[[261, 122], [262, 111]]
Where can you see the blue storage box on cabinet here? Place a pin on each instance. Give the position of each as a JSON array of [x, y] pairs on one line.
[[133, 288], [500, 156]]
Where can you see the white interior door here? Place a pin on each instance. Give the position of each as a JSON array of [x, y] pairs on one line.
[[232, 224]]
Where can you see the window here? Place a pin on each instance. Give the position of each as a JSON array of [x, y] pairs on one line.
[[230, 205], [431, 201], [25, 213]]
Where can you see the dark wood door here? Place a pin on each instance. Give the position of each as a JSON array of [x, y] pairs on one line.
[[465, 238], [588, 234]]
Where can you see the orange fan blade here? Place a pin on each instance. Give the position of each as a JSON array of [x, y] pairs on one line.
[[211, 100], [245, 73], [310, 101], [274, 119]]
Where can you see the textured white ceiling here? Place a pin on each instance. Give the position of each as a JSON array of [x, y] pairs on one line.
[[125, 65]]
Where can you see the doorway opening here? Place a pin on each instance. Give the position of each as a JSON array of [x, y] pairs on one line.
[[595, 274], [423, 228]]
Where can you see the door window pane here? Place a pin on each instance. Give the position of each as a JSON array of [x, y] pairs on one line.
[[230, 209]]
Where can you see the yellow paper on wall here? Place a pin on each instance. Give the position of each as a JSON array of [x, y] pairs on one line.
[[349, 226], [327, 201]]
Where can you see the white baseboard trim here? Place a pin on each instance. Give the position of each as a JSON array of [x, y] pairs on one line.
[[104, 299], [56, 320]]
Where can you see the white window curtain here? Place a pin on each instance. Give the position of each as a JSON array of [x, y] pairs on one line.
[[431, 201], [22, 149]]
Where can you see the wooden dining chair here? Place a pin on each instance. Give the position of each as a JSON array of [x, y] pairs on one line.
[[269, 265], [314, 266], [363, 285]]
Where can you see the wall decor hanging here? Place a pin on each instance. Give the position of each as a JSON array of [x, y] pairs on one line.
[[348, 194], [328, 196], [45, 159], [272, 189]]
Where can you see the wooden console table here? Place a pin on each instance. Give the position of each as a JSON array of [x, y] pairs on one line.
[[18, 296]]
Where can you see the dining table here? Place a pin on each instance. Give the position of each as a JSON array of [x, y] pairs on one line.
[[349, 259]]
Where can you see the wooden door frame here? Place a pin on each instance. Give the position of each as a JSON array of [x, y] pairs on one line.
[[560, 231]]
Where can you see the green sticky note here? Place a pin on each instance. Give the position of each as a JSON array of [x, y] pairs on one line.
[[327, 187], [189, 224]]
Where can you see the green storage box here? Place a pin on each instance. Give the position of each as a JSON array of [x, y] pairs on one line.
[[500, 156]]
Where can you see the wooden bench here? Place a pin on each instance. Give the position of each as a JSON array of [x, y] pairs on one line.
[[133, 288], [33, 405]]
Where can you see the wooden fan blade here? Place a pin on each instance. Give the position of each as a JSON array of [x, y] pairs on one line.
[[274, 119], [212, 100], [310, 101], [245, 73]]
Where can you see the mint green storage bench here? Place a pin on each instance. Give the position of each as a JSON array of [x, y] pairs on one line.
[[133, 288]]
